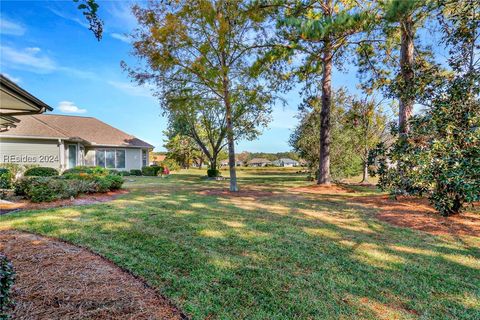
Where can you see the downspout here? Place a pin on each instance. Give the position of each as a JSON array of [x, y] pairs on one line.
[[62, 154]]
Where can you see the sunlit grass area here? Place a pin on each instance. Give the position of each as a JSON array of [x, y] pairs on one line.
[[286, 255]]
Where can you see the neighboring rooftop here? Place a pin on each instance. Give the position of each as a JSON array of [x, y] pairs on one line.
[[87, 129], [15, 101], [259, 160]]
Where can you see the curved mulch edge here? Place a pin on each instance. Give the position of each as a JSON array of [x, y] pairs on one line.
[[59, 280], [418, 214], [84, 199]]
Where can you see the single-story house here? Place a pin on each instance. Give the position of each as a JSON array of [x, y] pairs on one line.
[[156, 158], [63, 142], [259, 162], [285, 162], [238, 163]]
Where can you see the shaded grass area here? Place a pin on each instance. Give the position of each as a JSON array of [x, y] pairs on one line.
[[286, 256]]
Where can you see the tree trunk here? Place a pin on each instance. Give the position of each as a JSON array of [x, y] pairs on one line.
[[230, 137], [407, 73], [365, 173], [325, 134]]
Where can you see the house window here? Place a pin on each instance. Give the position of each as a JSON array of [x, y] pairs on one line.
[[119, 159], [110, 158], [144, 157]]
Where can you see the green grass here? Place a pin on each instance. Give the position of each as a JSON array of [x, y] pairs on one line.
[[285, 256]]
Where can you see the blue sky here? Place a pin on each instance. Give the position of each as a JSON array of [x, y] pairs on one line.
[[48, 50]]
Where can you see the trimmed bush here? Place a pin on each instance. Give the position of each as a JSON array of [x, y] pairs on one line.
[[7, 279], [46, 189], [89, 170], [116, 182], [136, 172], [6, 178], [22, 185], [151, 170], [41, 172], [113, 172], [124, 173], [212, 173]]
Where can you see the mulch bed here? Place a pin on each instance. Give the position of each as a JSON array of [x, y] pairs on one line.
[[21, 205], [56, 280], [323, 189], [416, 213]]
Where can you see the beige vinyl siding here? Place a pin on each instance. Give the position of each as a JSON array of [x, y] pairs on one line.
[[45, 153]]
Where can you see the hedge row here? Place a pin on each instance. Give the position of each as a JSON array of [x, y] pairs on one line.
[[46, 189]]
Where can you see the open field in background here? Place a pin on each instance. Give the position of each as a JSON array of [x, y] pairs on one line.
[[273, 252]]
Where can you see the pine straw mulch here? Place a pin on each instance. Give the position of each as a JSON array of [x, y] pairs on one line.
[[83, 199], [56, 280], [416, 213], [323, 189]]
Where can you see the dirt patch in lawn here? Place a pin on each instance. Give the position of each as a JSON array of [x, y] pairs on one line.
[[323, 189], [416, 213], [56, 280], [84, 199]]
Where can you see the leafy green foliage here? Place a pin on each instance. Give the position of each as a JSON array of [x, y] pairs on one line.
[[6, 178], [89, 10], [151, 170], [41, 172], [87, 169], [136, 172], [346, 161], [7, 280], [440, 157], [46, 189], [212, 173]]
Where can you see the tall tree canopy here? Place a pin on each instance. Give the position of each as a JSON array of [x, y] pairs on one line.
[[205, 49], [320, 32]]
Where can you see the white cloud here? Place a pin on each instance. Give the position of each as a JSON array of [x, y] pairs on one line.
[[12, 78], [11, 28], [120, 37], [29, 58], [70, 107], [65, 15], [142, 91]]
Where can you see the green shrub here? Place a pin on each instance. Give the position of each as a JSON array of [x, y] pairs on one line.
[[124, 173], [116, 182], [46, 189], [22, 185], [6, 178], [87, 169], [170, 164], [212, 173], [7, 279], [113, 172], [151, 170], [136, 172], [41, 172]]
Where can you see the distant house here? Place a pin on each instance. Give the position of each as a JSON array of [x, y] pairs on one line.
[[238, 163], [285, 162], [63, 142], [156, 158], [259, 162]]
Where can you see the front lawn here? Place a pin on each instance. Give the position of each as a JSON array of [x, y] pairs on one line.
[[280, 255]]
